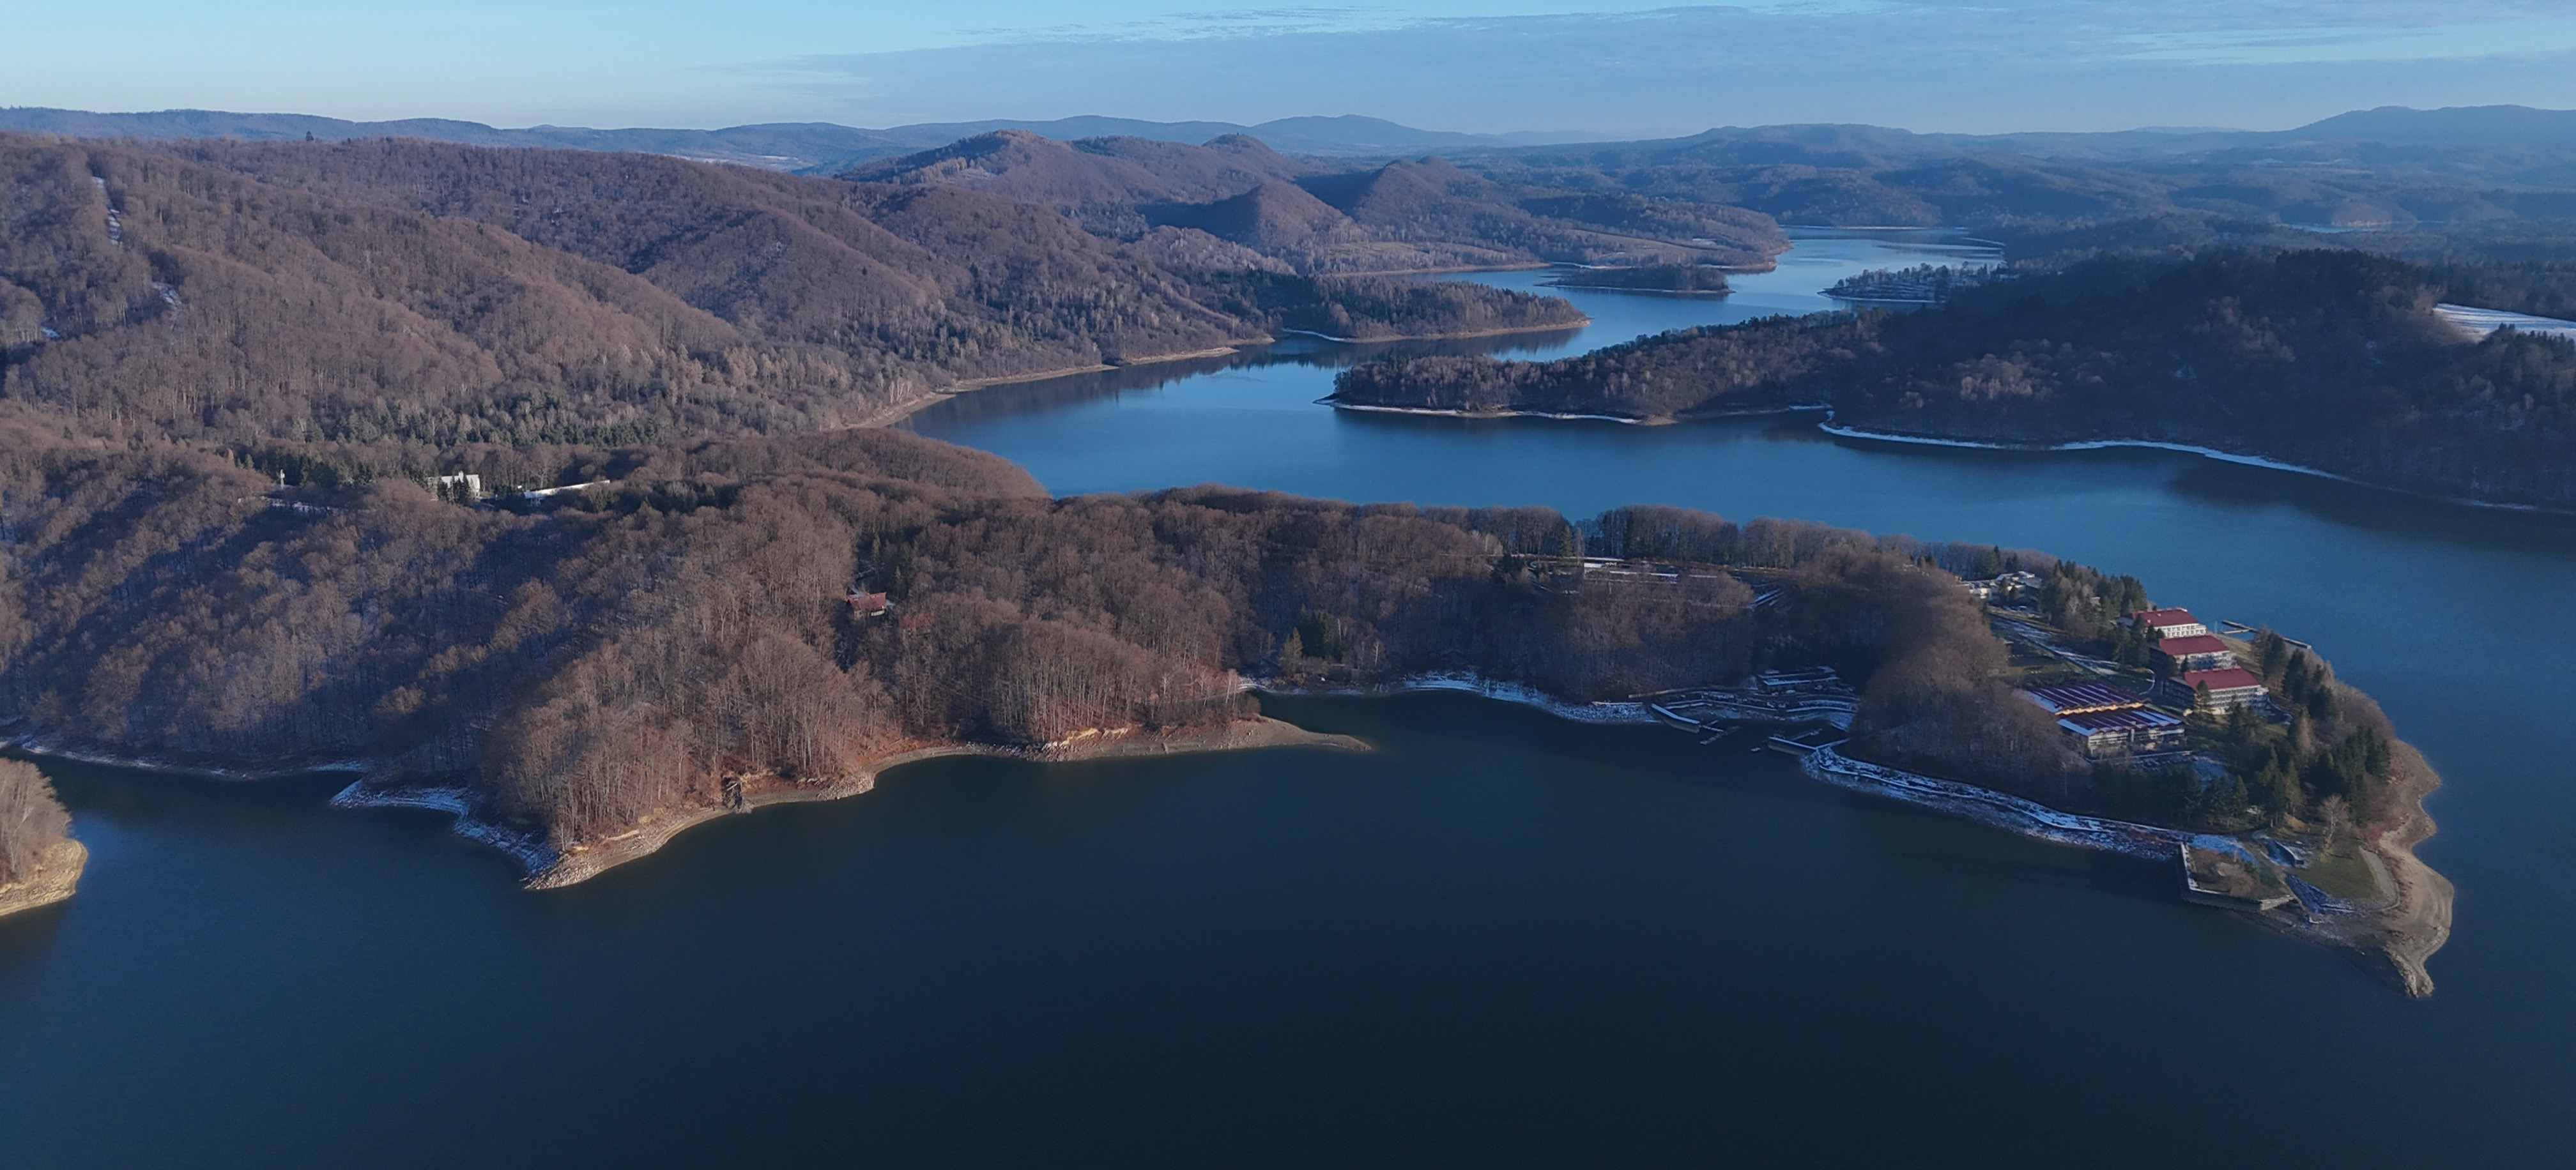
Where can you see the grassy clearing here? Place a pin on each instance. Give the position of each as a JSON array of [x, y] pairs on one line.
[[2341, 872]]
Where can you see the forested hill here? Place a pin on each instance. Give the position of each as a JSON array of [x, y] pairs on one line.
[[437, 294], [2326, 359], [590, 662], [1320, 216]]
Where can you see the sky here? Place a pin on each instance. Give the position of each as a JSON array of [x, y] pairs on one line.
[[1598, 67]]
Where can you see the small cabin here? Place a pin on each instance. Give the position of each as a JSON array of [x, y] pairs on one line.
[[868, 604]]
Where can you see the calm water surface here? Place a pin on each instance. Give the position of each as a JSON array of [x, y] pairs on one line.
[[1499, 939]]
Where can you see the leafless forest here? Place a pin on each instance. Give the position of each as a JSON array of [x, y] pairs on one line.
[[628, 649], [31, 820]]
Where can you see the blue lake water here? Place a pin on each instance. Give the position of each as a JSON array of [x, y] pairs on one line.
[[1499, 939]]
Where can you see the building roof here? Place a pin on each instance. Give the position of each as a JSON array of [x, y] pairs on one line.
[[2092, 696], [2233, 678], [2141, 719], [2157, 618], [2193, 644]]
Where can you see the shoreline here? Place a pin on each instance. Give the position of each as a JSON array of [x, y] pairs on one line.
[[1470, 334], [1439, 413], [1624, 713], [890, 415], [57, 876], [36, 747], [2391, 938], [1843, 432], [1629, 420], [546, 868]]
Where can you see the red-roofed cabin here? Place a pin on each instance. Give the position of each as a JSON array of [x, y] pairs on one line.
[[2167, 623], [2231, 687], [2197, 652], [868, 604]]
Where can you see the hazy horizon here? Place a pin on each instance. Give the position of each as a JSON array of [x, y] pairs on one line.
[[1486, 66]]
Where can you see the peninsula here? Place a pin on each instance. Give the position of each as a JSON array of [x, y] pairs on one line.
[[712, 627]]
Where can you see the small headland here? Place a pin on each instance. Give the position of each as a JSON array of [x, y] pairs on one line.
[[2277, 792], [40, 863], [57, 874]]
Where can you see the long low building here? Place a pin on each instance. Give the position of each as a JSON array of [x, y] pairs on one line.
[[2105, 720], [2122, 733]]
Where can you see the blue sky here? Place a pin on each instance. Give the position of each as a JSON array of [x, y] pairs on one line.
[[1485, 65]]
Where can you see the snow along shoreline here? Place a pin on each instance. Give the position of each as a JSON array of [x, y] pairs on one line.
[[532, 854], [1439, 413], [1989, 807], [1476, 684], [1842, 432]]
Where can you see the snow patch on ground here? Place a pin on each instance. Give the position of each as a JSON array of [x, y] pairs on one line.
[[532, 854], [1989, 807], [2481, 322], [1477, 684]]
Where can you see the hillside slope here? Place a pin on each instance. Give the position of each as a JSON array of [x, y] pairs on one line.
[[1401, 216], [440, 295]]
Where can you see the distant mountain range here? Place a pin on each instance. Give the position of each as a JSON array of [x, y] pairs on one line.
[[826, 148], [817, 147]]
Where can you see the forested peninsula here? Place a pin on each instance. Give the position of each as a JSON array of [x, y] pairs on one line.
[[715, 626], [534, 486], [2329, 360]]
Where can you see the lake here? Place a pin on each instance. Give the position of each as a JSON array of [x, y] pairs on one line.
[[1498, 939]]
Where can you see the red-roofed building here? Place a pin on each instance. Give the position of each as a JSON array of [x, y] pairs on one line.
[[2197, 652], [868, 604], [2167, 623], [2232, 686]]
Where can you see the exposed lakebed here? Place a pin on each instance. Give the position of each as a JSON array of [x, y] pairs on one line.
[[1500, 938]]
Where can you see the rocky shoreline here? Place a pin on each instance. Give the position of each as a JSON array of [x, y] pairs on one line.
[[2391, 937]]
